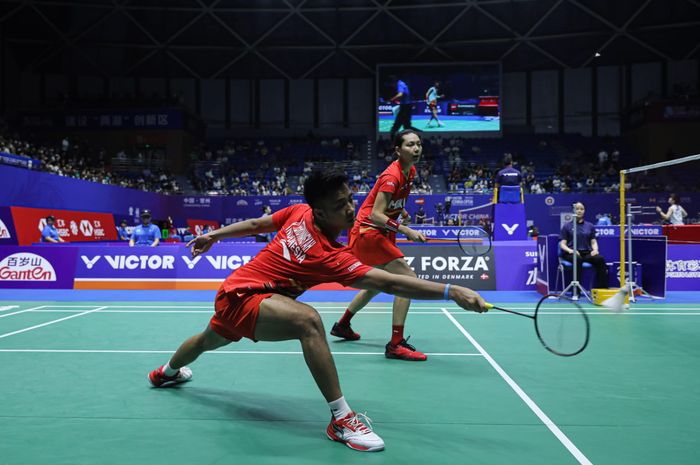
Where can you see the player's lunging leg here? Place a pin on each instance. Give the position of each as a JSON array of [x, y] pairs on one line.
[[176, 371]]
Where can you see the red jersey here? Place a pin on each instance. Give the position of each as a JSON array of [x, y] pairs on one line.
[[392, 180], [299, 257]]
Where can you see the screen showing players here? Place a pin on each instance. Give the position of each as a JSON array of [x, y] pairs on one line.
[[439, 98]]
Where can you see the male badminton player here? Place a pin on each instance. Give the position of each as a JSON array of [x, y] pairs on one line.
[[373, 241], [258, 300]]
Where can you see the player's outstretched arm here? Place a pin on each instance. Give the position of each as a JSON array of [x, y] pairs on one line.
[[414, 288], [380, 218], [262, 225]]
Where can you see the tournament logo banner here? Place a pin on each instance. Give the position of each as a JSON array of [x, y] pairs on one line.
[[71, 225], [37, 267], [447, 264]]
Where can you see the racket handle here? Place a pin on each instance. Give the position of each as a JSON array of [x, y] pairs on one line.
[[488, 306]]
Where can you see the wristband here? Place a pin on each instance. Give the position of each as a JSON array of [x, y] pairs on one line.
[[392, 225], [446, 294]]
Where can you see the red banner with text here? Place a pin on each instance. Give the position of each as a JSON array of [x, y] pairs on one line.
[[71, 225], [197, 227]]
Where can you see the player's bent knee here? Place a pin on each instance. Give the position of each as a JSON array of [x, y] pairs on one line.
[[311, 324]]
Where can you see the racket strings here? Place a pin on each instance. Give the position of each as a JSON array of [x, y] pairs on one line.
[[561, 325]]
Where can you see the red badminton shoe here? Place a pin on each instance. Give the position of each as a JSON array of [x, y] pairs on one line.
[[158, 378], [404, 351], [355, 431]]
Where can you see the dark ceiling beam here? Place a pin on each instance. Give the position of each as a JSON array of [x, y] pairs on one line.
[[469, 4], [163, 45], [87, 4], [619, 31], [251, 48], [70, 41], [14, 11], [427, 44], [528, 41], [159, 46], [530, 31], [240, 38]]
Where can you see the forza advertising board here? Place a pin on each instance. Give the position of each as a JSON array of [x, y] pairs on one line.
[[447, 264]]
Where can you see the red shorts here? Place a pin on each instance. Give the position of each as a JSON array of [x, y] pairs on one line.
[[374, 247], [235, 315], [432, 104]]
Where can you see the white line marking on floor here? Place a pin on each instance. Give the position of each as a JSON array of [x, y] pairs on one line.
[[8, 307], [582, 459], [341, 308], [593, 313], [216, 352], [50, 322], [33, 309]]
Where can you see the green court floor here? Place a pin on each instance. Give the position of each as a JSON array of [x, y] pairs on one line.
[[449, 124], [74, 390]]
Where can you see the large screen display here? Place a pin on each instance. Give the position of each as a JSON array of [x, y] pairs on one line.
[[439, 97]]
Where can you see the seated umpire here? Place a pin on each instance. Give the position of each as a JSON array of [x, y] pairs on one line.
[[508, 176], [146, 233], [587, 246]]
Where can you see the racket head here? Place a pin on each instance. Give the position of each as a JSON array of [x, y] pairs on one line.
[[474, 241], [562, 325]]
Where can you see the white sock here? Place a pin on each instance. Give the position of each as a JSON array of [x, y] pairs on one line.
[[169, 371], [339, 408]]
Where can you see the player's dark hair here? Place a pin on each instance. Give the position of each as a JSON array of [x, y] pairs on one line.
[[507, 159], [398, 138], [321, 184], [676, 199]]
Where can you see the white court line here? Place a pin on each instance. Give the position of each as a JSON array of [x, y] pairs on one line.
[[578, 455], [8, 307], [691, 307], [597, 312], [33, 309], [216, 352], [50, 322]]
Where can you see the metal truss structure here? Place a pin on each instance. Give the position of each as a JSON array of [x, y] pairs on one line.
[[297, 39]]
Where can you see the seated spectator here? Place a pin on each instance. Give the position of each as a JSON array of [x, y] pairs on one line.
[[50, 233], [122, 233]]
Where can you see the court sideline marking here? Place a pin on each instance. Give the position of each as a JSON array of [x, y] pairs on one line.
[[578, 455], [215, 352], [22, 311], [459, 312], [50, 322]]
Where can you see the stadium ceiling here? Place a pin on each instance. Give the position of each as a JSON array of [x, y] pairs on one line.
[[298, 39]]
